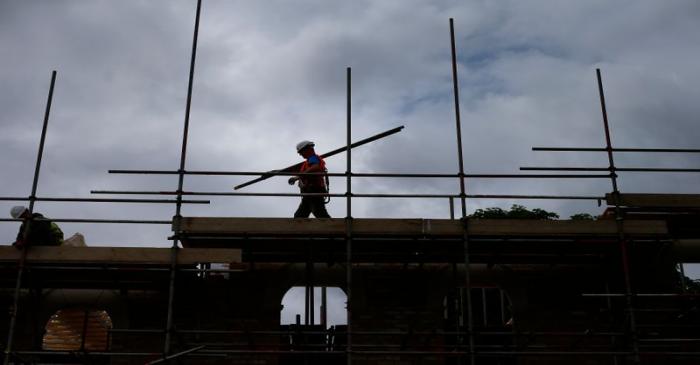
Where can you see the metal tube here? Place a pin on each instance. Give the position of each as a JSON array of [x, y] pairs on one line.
[[312, 300], [83, 335], [655, 169], [97, 268], [306, 298], [173, 356], [32, 197], [457, 119], [96, 353], [296, 167], [282, 173], [361, 195], [462, 190], [371, 353], [670, 340], [536, 168], [563, 197], [614, 295], [608, 305], [75, 220], [348, 216], [122, 269], [180, 183], [368, 174], [619, 221], [40, 154], [384, 333], [525, 353], [150, 201], [117, 221], [483, 306], [536, 176], [586, 149], [324, 307], [681, 273], [625, 169], [97, 200]]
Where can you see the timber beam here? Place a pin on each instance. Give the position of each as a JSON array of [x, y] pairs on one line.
[[120, 255], [656, 200], [433, 228]]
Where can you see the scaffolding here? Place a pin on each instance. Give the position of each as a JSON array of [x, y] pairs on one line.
[[625, 345]]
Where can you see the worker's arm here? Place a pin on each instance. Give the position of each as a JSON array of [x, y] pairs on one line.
[[314, 168], [311, 169], [19, 242]]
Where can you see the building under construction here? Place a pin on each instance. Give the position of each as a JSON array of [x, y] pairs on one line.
[[419, 291]]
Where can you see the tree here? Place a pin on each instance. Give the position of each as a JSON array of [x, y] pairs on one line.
[[582, 217], [515, 212]]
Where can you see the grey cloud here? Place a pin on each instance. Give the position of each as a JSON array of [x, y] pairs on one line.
[[272, 73]]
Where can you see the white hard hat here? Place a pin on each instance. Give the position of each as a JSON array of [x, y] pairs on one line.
[[17, 211], [303, 144]]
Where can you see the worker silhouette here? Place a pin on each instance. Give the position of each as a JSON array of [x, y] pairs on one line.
[[41, 231], [311, 183]]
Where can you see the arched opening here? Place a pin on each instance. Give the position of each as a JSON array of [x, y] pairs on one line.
[[78, 329], [314, 319], [325, 306]]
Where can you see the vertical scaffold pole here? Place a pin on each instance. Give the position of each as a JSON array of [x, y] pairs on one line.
[[306, 298], [462, 196], [619, 220], [32, 199], [324, 308], [181, 176], [312, 299], [348, 220]]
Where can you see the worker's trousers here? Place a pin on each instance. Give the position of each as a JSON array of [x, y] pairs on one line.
[[312, 204]]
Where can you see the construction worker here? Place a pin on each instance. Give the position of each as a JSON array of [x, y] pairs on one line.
[[311, 183], [42, 232]]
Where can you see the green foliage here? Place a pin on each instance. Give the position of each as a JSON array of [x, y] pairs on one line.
[[582, 217], [515, 212]]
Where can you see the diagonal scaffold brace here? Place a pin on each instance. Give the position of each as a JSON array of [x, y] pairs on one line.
[[295, 168]]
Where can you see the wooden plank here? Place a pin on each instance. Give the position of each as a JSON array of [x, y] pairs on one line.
[[408, 227], [543, 228], [121, 255], [262, 226], [321, 227], [253, 227], [656, 200]]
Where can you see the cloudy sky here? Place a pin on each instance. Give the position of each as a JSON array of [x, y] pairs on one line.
[[271, 73]]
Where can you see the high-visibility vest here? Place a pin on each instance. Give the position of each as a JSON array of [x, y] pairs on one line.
[[56, 234], [309, 180], [42, 231]]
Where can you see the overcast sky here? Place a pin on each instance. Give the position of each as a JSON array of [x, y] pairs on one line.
[[271, 73]]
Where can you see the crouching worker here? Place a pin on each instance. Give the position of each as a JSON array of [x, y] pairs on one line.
[[41, 231], [311, 183]]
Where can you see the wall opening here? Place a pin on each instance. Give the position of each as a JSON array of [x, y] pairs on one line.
[[294, 306], [78, 329], [325, 330], [491, 308]]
